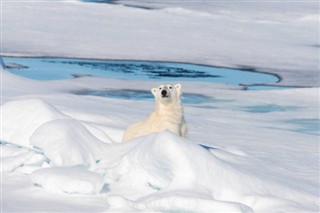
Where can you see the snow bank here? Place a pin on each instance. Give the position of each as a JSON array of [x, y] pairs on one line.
[[33, 123], [162, 169], [170, 166], [68, 143], [13, 157], [22, 117], [69, 180], [159, 172], [166, 168]]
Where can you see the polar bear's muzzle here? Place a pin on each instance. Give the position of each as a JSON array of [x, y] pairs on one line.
[[164, 94]]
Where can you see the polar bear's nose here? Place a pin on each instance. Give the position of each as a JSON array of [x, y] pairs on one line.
[[163, 92]]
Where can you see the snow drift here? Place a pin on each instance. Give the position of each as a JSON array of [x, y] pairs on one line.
[[22, 117], [67, 143], [159, 172], [170, 166]]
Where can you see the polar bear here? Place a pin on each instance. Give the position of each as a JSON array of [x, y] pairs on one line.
[[168, 114]]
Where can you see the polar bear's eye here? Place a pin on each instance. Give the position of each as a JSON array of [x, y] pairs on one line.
[[170, 87], [160, 88]]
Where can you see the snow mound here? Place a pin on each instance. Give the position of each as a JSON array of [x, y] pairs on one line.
[[13, 157], [22, 117], [169, 166], [67, 142], [68, 180], [173, 174], [36, 125]]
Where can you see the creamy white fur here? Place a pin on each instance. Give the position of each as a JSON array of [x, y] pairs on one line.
[[168, 115]]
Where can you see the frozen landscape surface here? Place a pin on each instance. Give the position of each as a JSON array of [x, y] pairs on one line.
[[248, 151], [274, 36]]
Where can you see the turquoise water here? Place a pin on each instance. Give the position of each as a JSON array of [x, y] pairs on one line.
[[269, 108], [63, 68], [188, 98], [258, 87]]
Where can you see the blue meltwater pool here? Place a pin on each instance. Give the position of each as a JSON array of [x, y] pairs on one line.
[[65, 68]]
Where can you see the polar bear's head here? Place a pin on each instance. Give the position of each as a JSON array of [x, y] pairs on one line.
[[167, 93]]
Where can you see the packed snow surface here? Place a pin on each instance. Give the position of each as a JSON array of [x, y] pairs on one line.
[[248, 151]]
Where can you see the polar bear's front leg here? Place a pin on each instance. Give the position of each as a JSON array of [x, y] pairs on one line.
[[184, 130]]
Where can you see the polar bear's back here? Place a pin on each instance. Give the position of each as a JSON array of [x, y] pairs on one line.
[[140, 128]]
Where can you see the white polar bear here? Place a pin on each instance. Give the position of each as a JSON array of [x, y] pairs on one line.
[[167, 115]]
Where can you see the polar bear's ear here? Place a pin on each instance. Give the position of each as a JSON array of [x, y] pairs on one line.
[[178, 86], [154, 91]]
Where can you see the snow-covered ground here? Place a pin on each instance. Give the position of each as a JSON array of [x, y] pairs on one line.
[[274, 36], [61, 152]]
